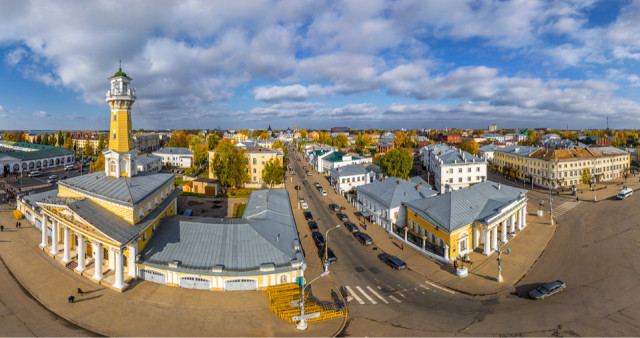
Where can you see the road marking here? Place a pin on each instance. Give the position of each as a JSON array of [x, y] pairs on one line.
[[353, 294], [440, 287], [422, 286], [396, 299], [401, 295], [377, 295], [366, 295]]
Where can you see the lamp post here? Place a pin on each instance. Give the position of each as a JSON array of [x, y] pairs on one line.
[[550, 205], [326, 247], [302, 325], [595, 189], [499, 279]]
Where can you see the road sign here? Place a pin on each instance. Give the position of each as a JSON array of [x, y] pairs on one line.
[[295, 302], [307, 316]]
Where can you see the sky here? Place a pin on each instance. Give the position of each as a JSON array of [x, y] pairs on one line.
[[321, 64]]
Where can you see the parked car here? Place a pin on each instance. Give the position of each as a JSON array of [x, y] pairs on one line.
[[351, 227], [331, 257], [304, 205], [363, 238], [69, 167], [313, 226], [188, 212], [34, 173], [547, 289], [63, 177], [52, 179], [343, 217], [393, 261], [318, 239], [323, 193], [334, 207], [316, 184], [308, 173], [308, 216]]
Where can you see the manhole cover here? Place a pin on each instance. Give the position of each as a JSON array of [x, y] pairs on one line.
[[360, 269]]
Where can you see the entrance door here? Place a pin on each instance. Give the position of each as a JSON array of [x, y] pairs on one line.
[[240, 284], [192, 282], [153, 276]]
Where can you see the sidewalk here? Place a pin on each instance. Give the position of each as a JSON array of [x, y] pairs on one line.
[[145, 308]]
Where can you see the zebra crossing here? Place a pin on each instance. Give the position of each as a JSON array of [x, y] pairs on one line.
[[565, 207], [368, 295]]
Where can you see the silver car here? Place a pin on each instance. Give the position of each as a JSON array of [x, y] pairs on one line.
[[547, 289]]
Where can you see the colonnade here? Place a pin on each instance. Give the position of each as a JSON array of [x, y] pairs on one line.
[[488, 236]]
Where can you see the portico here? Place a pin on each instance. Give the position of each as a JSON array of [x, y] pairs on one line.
[[506, 226]]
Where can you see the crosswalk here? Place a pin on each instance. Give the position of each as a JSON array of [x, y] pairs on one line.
[[368, 295], [565, 207]]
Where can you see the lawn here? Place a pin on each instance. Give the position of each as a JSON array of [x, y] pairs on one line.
[[238, 209]]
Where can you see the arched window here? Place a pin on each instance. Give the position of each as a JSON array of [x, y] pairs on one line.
[[254, 170], [114, 134], [114, 118], [255, 161]]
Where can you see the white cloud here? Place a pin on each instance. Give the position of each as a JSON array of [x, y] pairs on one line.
[[41, 113], [291, 93], [15, 56]]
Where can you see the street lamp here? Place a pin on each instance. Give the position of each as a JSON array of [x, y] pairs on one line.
[[499, 279], [326, 247], [302, 325], [550, 205], [595, 189]]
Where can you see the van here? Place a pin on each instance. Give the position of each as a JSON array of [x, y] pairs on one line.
[[34, 174], [68, 167], [624, 193]]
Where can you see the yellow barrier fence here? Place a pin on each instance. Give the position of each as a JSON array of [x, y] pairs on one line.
[[280, 299]]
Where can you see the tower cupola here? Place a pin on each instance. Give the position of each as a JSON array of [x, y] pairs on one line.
[[120, 99]]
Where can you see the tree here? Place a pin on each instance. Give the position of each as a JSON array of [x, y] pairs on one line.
[[230, 165], [39, 139], [45, 139], [264, 135], [585, 177], [303, 133], [324, 137], [101, 144], [200, 152], [60, 138], [279, 145], [212, 141], [532, 138], [363, 141], [397, 163], [179, 139], [273, 172], [98, 165], [341, 141], [401, 139], [68, 143], [470, 146], [88, 149]]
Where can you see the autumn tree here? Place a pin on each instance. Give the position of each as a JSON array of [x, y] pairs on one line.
[[88, 149], [98, 165], [397, 163], [101, 144], [341, 141], [68, 143], [363, 141], [39, 139], [212, 141], [230, 165], [264, 135], [324, 137], [278, 145], [179, 139], [303, 133], [273, 172], [401, 139], [470, 146]]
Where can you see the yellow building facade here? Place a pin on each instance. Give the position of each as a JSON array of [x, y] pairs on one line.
[[563, 167], [256, 159]]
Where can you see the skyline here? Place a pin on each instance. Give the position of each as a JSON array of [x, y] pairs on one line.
[[316, 65]]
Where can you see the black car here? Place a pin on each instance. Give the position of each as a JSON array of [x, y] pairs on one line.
[[352, 228], [298, 187], [393, 261], [334, 207], [331, 257], [313, 226], [364, 239], [308, 216], [547, 289], [343, 217], [318, 238]]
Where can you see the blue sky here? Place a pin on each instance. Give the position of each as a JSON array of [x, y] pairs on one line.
[[319, 64]]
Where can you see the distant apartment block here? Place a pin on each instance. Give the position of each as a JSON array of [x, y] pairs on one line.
[[175, 157], [453, 169]]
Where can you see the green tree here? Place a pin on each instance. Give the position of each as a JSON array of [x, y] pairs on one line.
[[45, 139], [230, 165], [200, 152], [532, 138], [68, 143], [470, 146], [212, 141], [341, 141], [273, 172], [88, 149], [98, 165], [39, 139], [60, 138], [397, 163], [101, 144]]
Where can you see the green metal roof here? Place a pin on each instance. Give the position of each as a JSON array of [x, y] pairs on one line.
[[41, 151], [119, 73]]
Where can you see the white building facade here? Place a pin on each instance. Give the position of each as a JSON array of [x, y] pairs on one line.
[[176, 157]]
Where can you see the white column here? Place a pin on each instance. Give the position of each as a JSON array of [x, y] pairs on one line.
[[504, 231], [97, 260], [494, 238], [513, 224], [67, 246], [81, 260], [54, 237], [119, 283], [487, 240], [520, 217], [524, 217], [476, 234], [133, 252], [424, 240], [43, 242], [446, 252]]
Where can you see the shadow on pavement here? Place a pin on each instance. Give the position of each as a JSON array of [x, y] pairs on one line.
[[78, 300], [523, 290]]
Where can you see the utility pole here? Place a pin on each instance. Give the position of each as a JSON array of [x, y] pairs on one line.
[[550, 205], [302, 325]]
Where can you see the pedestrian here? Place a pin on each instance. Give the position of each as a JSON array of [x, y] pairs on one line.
[[508, 251], [16, 225], [402, 246], [80, 292], [455, 264], [577, 198], [470, 264], [71, 299], [1, 228]]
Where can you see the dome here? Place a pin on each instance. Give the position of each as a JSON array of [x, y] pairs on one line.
[[119, 73]]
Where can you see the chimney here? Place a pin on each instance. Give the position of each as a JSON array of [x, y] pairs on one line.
[[398, 181], [499, 186], [420, 183], [382, 179], [409, 179], [417, 188]]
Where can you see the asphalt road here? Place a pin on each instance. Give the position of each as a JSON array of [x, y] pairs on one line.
[[594, 251]]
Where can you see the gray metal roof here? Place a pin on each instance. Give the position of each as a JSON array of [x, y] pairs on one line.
[[517, 150], [265, 235], [390, 194], [127, 190], [459, 157], [459, 208], [146, 159], [488, 147], [33, 199], [174, 151], [350, 170]]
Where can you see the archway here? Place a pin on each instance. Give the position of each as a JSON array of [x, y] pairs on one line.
[[6, 169], [16, 168], [31, 165], [57, 161], [51, 162], [38, 164]]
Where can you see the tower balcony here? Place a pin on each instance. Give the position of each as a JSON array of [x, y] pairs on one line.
[[129, 92]]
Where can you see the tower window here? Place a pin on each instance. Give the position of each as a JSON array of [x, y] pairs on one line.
[[114, 116], [114, 134]]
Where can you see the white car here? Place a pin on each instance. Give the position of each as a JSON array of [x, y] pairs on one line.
[[323, 193], [305, 206]]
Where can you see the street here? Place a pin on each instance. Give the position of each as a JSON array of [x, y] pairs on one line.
[[592, 252]]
